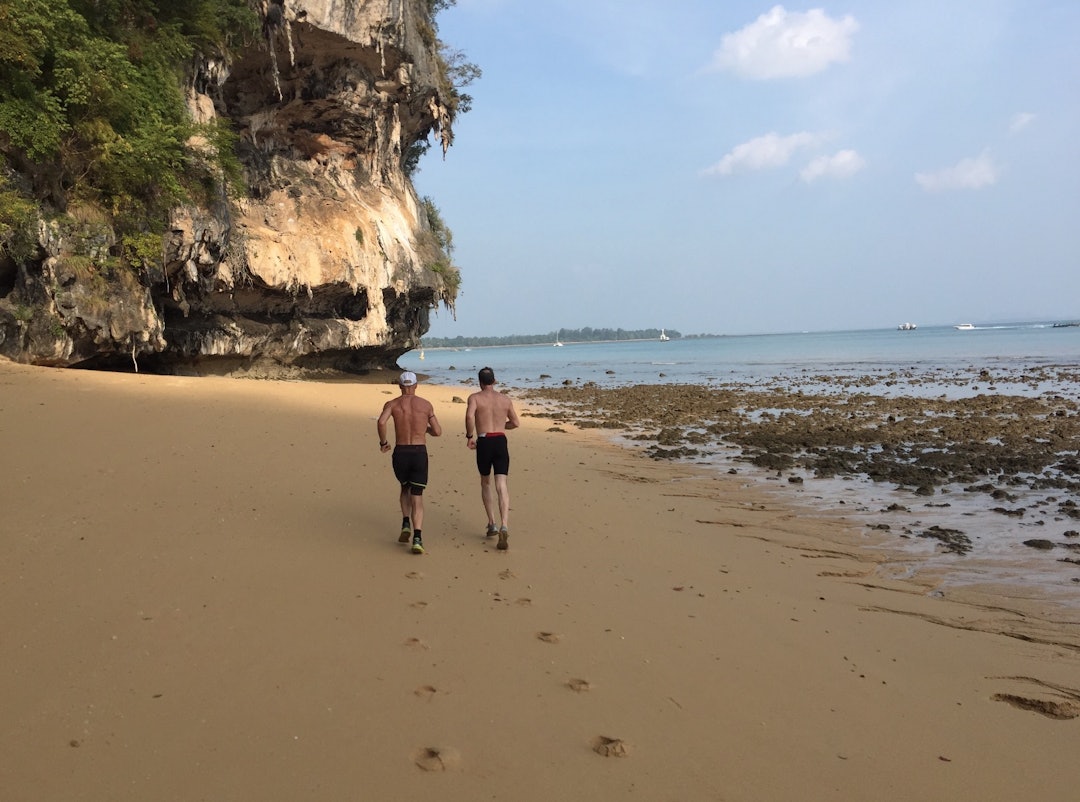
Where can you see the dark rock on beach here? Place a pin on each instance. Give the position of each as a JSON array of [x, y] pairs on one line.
[[1036, 543], [1008, 448], [921, 444], [951, 540]]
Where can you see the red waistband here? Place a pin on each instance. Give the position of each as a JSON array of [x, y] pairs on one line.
[[493, 434]]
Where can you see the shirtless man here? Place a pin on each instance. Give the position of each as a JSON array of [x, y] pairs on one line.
[[414, 418], [487, 414]]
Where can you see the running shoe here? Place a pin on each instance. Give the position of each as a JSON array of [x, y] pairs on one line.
[[492, 530], [406, 535], [417, 546], [503, 537]]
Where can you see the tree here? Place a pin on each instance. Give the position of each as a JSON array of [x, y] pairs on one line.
[[91, 106]]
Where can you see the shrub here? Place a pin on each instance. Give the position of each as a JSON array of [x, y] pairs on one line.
[[17, 216], [91, 106]]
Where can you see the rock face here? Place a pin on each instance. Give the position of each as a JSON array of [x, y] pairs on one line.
[[327, 262]]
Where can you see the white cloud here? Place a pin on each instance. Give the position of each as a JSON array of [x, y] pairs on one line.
[[782, 44], [843, 164], [771, 150], [973, 173], [1020, 122]]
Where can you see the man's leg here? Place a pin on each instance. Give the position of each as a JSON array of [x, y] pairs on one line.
[[416, 507], [504, 511], [487, 494], [503, 490], [406, 515]]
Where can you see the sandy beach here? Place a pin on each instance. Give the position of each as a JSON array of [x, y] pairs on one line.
[[202, 596]]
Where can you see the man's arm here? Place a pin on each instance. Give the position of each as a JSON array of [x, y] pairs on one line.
[[512, 421], [434, 428], [470, 422], [380, 426]]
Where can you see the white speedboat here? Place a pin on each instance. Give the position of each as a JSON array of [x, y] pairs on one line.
[[964, 326]]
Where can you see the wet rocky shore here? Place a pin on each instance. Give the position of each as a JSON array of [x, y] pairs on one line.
[[1003, 445]]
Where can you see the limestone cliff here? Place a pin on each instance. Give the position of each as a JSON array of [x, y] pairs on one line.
[[327, 259]]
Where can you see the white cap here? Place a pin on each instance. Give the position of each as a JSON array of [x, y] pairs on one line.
[[408, 379]]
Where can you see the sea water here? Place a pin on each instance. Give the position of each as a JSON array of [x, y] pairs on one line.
[[1023, 359], [762, 358]]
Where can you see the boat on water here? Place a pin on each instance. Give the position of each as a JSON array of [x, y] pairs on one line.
[[964, 326], [907, 327], [558, 340], [663, 336]]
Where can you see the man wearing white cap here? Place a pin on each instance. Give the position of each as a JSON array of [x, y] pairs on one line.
[[414, 419]]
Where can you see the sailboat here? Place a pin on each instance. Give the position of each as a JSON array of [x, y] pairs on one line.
[[558, 340], [663, 336]]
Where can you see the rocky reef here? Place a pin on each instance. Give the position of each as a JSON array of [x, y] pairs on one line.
[[325, 260]]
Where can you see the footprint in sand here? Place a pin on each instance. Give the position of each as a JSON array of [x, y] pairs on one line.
[[414, 575], [437, 758], [579, 685], [415, 643], [523, 602], [426, 691], [506, 573], [419, 605], [610, 747], [548, 637], [1053, 701], [1048, 707], [844, 574]]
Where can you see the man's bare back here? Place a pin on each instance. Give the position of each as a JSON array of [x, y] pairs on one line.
[[412, 418], [490, 411]]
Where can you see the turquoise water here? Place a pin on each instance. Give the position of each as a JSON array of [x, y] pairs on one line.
[[760, 358]]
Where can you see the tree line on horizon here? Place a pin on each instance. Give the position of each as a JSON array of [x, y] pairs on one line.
[[585, 335]]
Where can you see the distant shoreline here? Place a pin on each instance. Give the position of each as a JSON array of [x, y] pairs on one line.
[[532, 345], [1060, 323]]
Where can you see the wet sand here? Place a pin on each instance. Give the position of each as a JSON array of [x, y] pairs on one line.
[[986, 479], [202, 596]]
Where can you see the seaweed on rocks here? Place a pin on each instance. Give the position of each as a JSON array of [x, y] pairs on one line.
[[952, 541]]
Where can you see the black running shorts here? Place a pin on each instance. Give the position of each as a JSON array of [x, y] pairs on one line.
[[411, 467], [492, 453]]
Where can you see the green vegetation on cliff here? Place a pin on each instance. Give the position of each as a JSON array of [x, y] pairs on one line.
[[91, 103], [438, 244], [93, 112], [455, 73], [127, 221]]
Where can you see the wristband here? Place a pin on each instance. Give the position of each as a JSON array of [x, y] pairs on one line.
[[383, 444]]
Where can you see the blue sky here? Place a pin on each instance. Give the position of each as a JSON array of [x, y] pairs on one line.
[[738, 167]]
